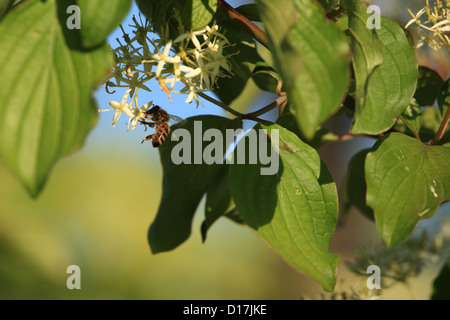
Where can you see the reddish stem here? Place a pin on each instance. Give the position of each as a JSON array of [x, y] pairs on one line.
[[241, 21]]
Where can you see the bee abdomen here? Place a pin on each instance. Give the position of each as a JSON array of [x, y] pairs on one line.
[[162, 131]]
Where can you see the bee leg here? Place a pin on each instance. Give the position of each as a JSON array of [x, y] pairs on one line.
[[149, 137], [147, 124]]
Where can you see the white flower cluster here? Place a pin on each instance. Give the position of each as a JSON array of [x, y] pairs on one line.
[[437, 25], [194, 59]]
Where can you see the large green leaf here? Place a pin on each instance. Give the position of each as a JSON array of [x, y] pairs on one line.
[[184, 184], [99, 18], [367, 49], [46, 84], [311, 55], [406, 182], [197, 14], [392, 85], [295, 209]]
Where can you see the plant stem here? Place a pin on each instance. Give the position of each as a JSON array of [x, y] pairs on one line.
[[269, 107], [249, 116], [241, 21], [442, 128]]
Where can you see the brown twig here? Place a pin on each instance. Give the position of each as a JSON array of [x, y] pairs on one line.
[[269, 107], [248, 116], [442, 128], [241, 21]]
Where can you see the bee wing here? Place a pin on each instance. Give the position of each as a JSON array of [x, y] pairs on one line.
[[174, 119]]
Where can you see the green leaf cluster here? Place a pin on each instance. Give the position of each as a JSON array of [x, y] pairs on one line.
[[322, 57]]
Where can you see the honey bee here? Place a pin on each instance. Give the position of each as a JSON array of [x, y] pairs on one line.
[[160, 122]]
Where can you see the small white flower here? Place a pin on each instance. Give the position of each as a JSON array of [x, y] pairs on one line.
[[193, 94], [139, 114], [415, 17], [123, 106], [164, 58], [192, 35]]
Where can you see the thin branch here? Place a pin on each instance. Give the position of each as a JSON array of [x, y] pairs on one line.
[[228, 109], [442, 128], [241, 21], [248, 116], [269, 107], [333, 14]]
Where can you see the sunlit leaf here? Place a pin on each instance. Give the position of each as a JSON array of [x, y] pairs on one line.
[[46, 83], [100, 18], [392, 85], [311, 56], [367, 49], [294, 209], [406, 182], [197, 14]]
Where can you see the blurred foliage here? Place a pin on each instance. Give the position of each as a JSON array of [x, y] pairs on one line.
[[95, 216]]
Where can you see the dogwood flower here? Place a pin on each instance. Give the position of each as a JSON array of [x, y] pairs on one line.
[[123, 106], [139, 114], [437, 25]]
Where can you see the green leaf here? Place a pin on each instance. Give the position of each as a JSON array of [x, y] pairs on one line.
[[367, 49], [411, 118], [443, 97], [265, 77], [46, 85], [250, 11], [312, 57], [294, 210], [160, 13], [441, 285], [197, 14], [427, 86], [184, 184], [392, 85], [355, 184], [406, 182], [100, 18]]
